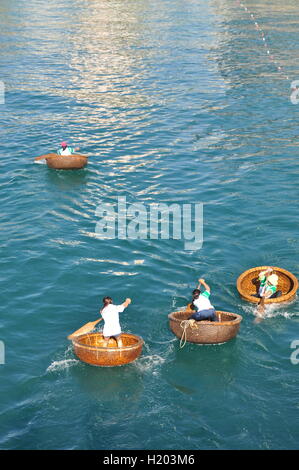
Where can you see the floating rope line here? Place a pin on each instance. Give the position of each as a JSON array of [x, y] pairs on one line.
[[263, 36]]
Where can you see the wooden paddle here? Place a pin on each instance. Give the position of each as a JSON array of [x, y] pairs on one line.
[[46, 156], [189, 309], [261, 305], [260, 310], [84, 329]]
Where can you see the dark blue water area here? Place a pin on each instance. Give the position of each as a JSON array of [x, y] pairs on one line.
[[176, 103]]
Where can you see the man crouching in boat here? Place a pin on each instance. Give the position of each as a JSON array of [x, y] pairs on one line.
[[66, 150], [268, 284], [110, 316], [267, 290], [205, 310]]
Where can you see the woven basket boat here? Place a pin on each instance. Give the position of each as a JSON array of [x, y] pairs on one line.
[[66, 162], [205, 332], [248, 284], [90, 348]]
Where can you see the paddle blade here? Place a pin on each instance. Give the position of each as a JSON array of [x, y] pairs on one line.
[[45, 156], [260, 311], [189, 308], [84, 329], [261, 306]]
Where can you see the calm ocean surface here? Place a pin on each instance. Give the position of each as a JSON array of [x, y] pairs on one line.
[[176, 102]]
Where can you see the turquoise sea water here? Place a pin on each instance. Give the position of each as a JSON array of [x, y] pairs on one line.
[[176, 102]]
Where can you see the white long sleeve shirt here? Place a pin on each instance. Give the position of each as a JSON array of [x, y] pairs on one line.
[[111, 319]]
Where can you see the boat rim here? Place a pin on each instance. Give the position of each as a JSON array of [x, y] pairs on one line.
[[54, 155], [237, 318], [76, 342]]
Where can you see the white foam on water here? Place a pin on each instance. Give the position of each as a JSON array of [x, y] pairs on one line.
[[148, 363], [271, 311], [40, 162], [164, 342], [119, 273], [62, 365], [66, 242], [275, 312], [152, 362]]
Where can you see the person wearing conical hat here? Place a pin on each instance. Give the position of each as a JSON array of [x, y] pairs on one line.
[[268, 284]]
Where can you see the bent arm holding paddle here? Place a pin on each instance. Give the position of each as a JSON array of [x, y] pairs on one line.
[[203, 282]]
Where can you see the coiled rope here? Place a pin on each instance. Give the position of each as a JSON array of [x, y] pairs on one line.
[[192, 324], [184, 325]]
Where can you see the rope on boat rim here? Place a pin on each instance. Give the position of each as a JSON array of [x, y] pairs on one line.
[[184, 325], [192, 324]]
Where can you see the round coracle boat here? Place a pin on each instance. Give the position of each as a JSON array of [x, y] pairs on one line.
[[90, 348], [205, 332], [66, 162], [248, 285]]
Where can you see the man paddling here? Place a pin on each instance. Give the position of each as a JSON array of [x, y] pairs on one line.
[[268, 288], [268, 284], [201, 301], [66, 150], [110, 316]]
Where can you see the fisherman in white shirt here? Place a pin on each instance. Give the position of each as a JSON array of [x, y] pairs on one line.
[[66, 150], [110, 315], [201, 302]]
